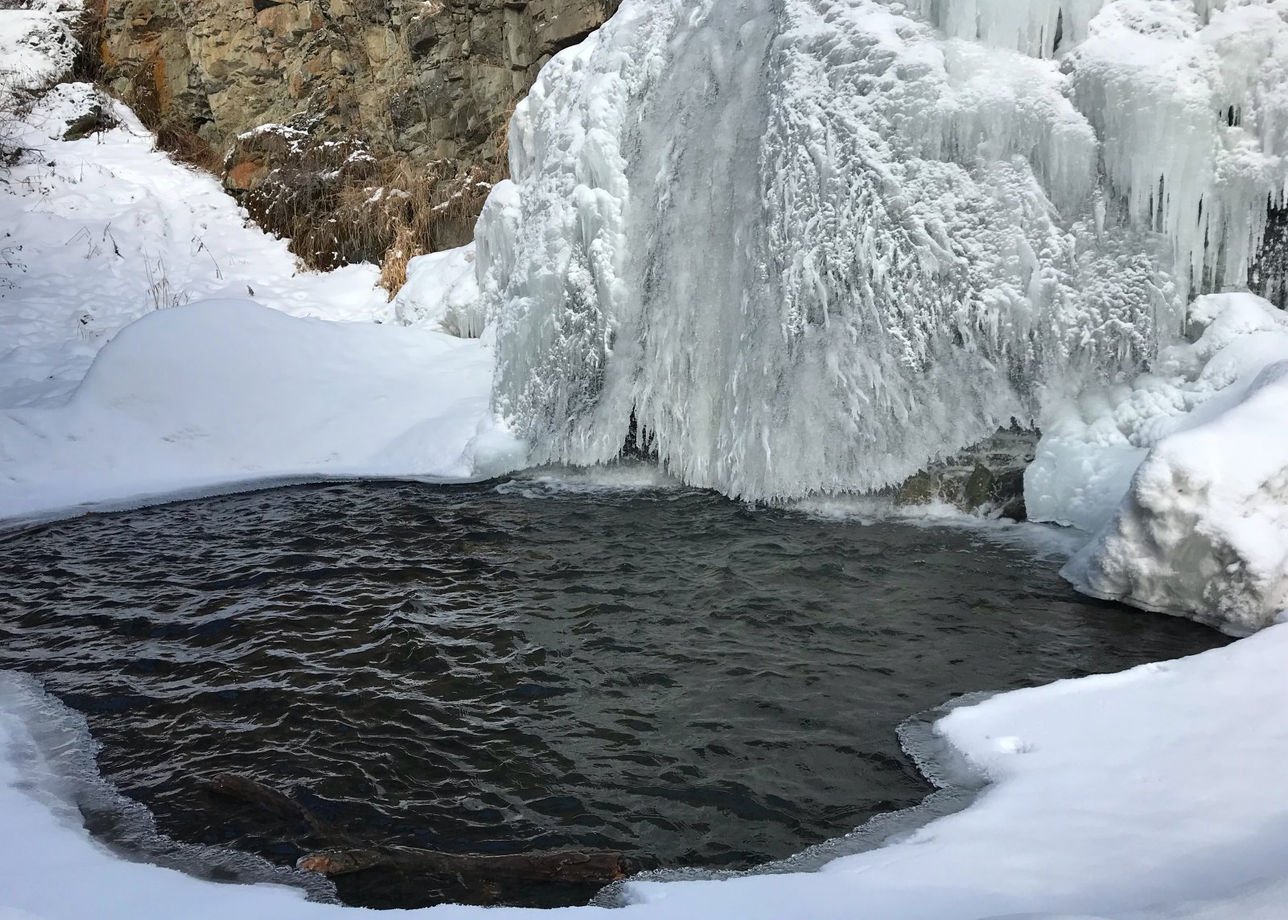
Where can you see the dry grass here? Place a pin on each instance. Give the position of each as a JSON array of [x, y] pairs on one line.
[[88, 67], [387, 214], [393, 268], [177, 138]]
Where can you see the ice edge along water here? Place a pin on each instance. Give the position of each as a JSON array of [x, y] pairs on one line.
[[1145, 795]]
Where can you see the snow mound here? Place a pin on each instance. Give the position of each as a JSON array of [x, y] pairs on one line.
[[1199, 449], [96, 232], [442, 293], [225, 392]]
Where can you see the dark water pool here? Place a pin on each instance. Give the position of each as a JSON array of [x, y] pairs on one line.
[[515, 666]]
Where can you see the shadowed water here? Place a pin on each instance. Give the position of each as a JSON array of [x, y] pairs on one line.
[[519, 666]]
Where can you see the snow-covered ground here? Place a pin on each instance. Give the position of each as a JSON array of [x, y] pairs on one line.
[[209, 389], [1148, 795], [226, 392], [102, 230]]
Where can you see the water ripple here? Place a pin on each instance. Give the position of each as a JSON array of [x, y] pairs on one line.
[[499, 668]]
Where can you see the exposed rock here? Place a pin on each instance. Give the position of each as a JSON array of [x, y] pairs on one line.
[[85, 124], [986, 479], [252, 792], [415, 81]]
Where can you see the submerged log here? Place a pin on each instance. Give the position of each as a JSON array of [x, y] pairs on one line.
[[590, 867], [252, 792], [597, 867]]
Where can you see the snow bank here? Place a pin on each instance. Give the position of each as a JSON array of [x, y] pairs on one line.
[[442, 293], [95, 233], [1151, 793], [1145, 795], [1184, 474], [105, 242], [1203, 529], [224, 392]]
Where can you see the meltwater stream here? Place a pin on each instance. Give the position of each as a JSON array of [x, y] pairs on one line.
[[518, 666]]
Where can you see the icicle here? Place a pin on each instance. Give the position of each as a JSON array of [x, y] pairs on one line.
[[1191, 121], [1031, 27], [809, 245]]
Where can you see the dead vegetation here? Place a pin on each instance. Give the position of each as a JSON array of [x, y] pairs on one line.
[[339, 204]]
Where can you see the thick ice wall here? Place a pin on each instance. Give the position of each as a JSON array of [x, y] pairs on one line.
[[744, 224], [1191, 120], [551, 244]]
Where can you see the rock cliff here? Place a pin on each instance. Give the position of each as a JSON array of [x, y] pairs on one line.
[[414, 82]]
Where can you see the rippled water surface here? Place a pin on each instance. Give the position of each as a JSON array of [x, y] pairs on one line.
[[518, 666]]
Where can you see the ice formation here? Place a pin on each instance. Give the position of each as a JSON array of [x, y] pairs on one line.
[[807, 246], [442, 293], [1199, 449]]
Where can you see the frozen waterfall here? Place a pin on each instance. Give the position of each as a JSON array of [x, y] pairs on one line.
[[810, 245]]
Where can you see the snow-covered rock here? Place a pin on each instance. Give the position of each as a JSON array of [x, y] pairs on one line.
[[1183, 474], [442, 293]]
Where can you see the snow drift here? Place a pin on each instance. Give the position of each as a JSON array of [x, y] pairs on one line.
[[811, 245], [226, 392], [1199, 447], [442, 293]]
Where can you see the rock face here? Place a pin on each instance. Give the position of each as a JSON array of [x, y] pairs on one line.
[[416, 81], [986, 479]]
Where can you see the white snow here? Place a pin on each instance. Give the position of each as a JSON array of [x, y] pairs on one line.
[[98, 232], [37, 46], [112, 254], [442, 293], [1197, 453], [224, 392], [1094, 444]]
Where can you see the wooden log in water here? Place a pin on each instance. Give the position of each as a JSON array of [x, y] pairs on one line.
[[252, 792], [598, 867], [592, 867]]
